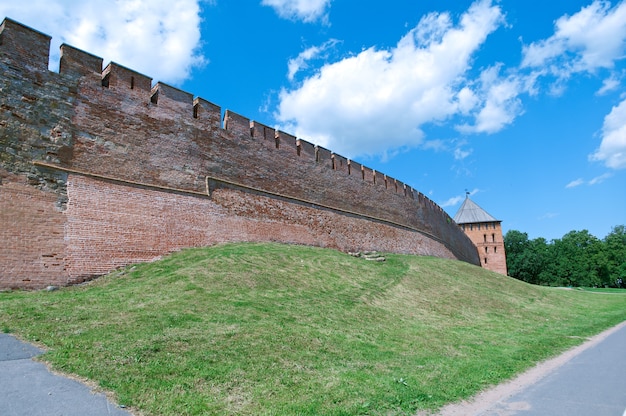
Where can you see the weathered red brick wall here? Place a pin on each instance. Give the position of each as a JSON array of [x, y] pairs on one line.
[[109, 225], [32, 248], [131, 172]]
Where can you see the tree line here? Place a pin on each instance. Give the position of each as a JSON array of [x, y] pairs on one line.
[[577, 259]]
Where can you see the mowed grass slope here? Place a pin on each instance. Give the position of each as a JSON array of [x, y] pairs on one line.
[[270, 329]]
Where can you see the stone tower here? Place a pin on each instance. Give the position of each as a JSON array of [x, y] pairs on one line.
[[486, 233]]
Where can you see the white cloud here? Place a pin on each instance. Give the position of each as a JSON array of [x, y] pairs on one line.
[[548, 216], [575, 183], [592, 38], [437, 145], [499, 102], [612, 150], [595, 181], [460, 154], [599, 179], [298, 63], [452, 201], [609, 84], [158, 38], [457, 199], [467, 100], [305, 10], [378, 99]]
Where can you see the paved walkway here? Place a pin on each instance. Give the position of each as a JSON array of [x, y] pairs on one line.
[[28, 388], [591, 383], [589, 380]]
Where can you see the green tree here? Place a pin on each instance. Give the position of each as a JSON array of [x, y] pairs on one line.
[[578, 259], [515, 245], [615, 243], [525, 258]]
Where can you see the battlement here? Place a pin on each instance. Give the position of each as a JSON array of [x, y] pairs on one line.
[[75, 62], [114, 124], [29, 46], [24, 44]]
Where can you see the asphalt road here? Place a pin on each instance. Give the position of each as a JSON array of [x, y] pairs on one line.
[[593, 383], [589, 380], [28, 388]]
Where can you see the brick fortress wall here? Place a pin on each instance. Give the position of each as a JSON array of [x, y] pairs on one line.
[[99, 169]]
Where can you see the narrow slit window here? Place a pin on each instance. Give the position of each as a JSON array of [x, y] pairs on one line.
[[132, 83]]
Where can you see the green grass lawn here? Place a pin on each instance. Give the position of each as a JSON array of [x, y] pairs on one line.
[[269, 329]]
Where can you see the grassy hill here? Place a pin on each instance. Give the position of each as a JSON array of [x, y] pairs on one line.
[[254, 329]]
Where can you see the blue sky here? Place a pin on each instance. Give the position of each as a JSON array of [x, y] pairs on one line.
[[522, 103]]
